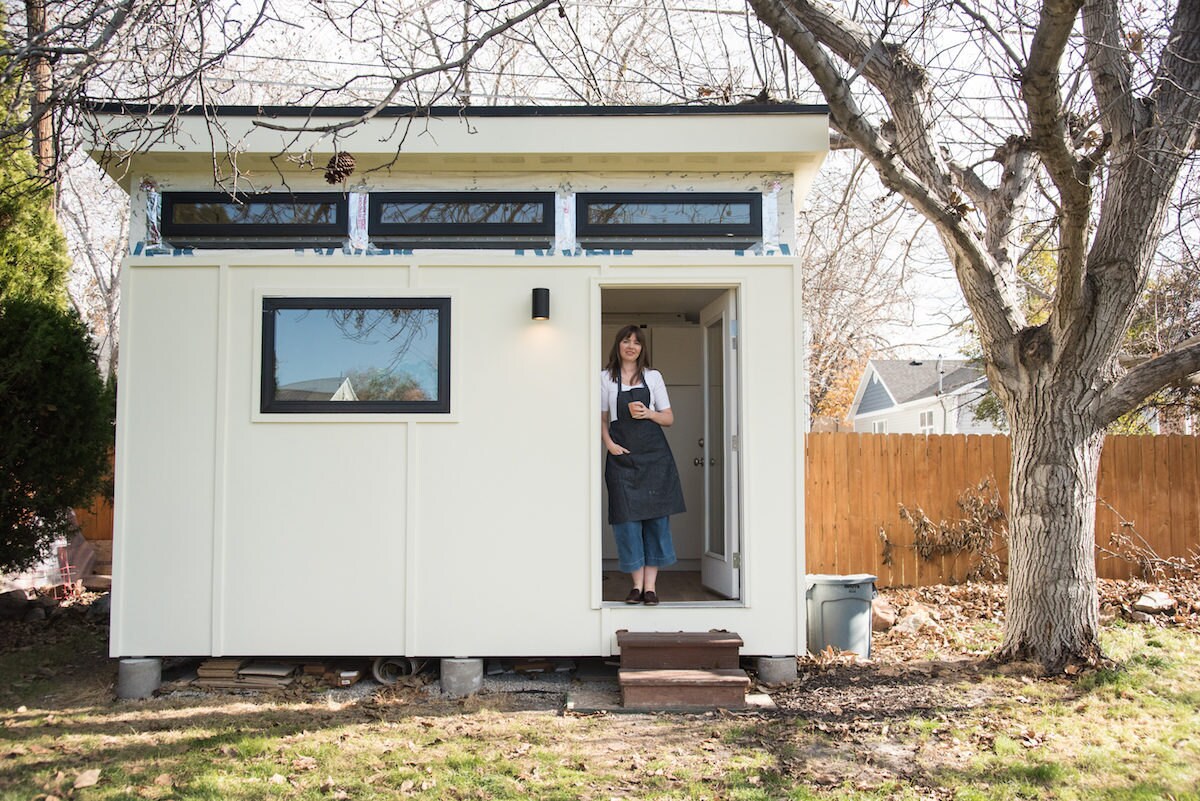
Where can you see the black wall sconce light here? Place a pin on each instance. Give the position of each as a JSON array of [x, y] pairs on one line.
[[541, 304]]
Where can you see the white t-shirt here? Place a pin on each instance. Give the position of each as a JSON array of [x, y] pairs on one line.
[[659, 401]]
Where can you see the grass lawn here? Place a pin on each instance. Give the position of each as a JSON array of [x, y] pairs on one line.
[[945, 729]]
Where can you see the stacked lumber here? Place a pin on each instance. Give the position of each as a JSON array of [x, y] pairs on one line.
[[243, 674]]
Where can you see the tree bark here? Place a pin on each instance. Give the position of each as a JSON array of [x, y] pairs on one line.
[[40, 78], [1053, 615]]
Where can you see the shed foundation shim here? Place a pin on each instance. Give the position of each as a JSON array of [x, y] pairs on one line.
[[461, 676], [138, 678]]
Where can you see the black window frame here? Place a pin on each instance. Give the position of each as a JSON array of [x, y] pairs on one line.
[[683, 233], [269, 234], [413, 232], [268, 404]]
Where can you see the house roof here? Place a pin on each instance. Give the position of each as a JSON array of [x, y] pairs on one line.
[[136, 141], [312, 389], [907, 380], [142, 109]]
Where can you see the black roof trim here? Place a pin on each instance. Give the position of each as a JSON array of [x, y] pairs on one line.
[[142, 109]]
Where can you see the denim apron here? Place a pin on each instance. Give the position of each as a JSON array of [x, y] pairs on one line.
[[644, 483]]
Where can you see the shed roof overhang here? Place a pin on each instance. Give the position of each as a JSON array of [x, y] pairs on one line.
[[134, 141]]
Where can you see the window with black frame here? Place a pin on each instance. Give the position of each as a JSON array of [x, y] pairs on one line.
[[355, 355], [217, 219], [462, 219], [685, 220]]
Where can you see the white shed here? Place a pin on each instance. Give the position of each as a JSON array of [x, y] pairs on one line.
[[340, 431]]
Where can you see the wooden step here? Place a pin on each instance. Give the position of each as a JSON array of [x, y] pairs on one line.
[[679, 650], [683, 689], [97, 583]]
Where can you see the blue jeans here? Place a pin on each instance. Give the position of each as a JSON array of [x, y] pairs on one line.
[[644, 542]]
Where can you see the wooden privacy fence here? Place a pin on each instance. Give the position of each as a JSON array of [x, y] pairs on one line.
[[855, 484]]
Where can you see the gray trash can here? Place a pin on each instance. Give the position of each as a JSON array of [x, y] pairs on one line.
[[839, 613]]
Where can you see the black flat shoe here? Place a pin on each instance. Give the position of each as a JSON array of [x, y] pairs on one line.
[[650, 598], [635, 596]]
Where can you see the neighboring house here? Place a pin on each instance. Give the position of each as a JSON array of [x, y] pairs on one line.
[[479, 260], [937, 396], [318, 389]]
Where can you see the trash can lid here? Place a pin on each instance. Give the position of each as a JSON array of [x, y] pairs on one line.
[[857, 578]]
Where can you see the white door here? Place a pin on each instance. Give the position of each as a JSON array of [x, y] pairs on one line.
[[721, 562]]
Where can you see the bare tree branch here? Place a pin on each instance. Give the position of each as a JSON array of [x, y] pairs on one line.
[[989, 289], [399, 83], [1142, 380]]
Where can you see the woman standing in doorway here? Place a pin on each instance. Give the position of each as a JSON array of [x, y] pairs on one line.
[[639, 471]]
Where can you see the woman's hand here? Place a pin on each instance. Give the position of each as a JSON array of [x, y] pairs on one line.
[[616, 450], [640, 411]]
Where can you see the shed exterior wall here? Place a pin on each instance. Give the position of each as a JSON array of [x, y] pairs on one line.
[[473, 533]]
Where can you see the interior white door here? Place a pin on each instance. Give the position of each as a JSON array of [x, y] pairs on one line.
[[720, 565]]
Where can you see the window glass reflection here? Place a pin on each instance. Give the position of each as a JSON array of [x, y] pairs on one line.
[[254, 213], [443, 213], [668, 213], [356, 354]]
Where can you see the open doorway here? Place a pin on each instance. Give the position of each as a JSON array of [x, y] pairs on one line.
[[691, 333]]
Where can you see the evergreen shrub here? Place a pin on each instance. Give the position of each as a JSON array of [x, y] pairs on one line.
[[55, 427]]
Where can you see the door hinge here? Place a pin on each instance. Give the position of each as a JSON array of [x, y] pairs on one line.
[[737, 561], [733, 343], [734, 442]]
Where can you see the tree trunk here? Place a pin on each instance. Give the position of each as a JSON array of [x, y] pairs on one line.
[[42, 140], [1053, 614]]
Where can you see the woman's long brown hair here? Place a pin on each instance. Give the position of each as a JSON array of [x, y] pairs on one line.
[[614, 354]]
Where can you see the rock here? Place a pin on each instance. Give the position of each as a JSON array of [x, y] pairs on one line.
[[916, 618], [101, 608], [1154, 603], [13, 604], [1140, 617], [35, 614], [883, 614]]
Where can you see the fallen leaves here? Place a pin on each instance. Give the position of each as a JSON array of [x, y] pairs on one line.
[[1031, 739], [304, 763]]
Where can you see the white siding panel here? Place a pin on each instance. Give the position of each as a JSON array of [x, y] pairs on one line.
[[502, 528], [314, 548], [163, 539], [314, 540]]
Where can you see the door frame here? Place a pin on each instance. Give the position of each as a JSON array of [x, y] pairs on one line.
[[596, 472], [722, 572]]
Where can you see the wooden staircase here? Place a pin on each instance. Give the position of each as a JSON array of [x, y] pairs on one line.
[[681, 670], [99, 578]]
